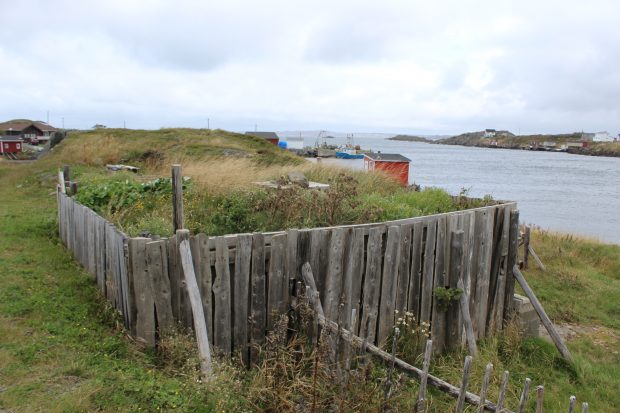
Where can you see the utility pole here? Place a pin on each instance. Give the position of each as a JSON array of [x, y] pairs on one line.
[[208, 124], [124, 125], [255, 127], [63, 122]]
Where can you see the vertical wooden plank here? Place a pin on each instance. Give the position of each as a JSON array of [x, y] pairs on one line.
[[123, 273], [292, 266], [415, 278], [512, 260], [334, 276], [177, 198], [319, 257], [497, 308], [440, 280], [143, 297], [371, 289], [501, 398], [426, 293], [241, 295], [277, 281], [205, 283], [258, 302], [157, 262], [460, 404], [403, 268], [101, 249], [421, 403], [222, 316], [454, 323], [174, 275], [484, 272], [354, 271], [483, 390], [389, 282]]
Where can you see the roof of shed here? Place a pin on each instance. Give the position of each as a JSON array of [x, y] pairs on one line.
[[11, 139], [387, 157], [264, 135], [21, 124]]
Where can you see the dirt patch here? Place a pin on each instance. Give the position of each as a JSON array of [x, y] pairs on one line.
[[600, 336]]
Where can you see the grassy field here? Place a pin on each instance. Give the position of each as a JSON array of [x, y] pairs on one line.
[[63, 350]]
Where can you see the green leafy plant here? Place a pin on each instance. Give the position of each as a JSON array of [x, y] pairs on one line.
[[446, 296]]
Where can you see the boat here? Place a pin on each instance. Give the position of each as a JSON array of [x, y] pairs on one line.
[[348, 153], [350, 150]]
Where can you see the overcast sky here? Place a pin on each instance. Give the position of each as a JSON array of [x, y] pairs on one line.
[[352, 66]]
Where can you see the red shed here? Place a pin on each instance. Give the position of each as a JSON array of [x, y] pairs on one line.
[[395, 165], [269, 136], [10, 144]]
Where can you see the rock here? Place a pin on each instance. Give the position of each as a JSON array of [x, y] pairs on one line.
[[298, 178]]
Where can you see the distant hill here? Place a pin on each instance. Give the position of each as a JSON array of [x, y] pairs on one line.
[[507, 139], [410, 138]]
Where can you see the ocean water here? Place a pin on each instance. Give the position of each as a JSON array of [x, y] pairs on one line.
[[556, 191]]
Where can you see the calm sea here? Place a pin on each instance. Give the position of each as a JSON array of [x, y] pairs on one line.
[[556, 191]]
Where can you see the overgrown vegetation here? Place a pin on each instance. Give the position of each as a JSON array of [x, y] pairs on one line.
[[62, 349]]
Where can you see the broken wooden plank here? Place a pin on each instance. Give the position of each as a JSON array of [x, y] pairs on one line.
[[222, 316], [389, 283], [241, 295]]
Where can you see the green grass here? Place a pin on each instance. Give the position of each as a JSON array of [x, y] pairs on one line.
[[62, 348]]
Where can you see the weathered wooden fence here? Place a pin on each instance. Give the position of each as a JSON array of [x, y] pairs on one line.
[[374, 271]]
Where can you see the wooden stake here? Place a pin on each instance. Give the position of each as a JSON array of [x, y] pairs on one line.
[[460, 404], [557, 340], [535, 256], [540, 391], [200, 325], [421, 405], [502, 392], [483, 390], [469, 328], [177, 198], [571, 404], [525, 395], [61, 182], [526, 245], [584, 407]]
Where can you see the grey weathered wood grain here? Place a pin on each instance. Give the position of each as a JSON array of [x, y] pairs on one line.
[[454, 314], [389, 284], [334, 276], [426, 294], [484, 272], [157, 263], [572, 402], [502, 392], [354, 271], [467, 323], [222, 316], [415, 278], [278, 281], [372, 286], [404, 271], [512, 260], [177, 198], [460, 403], [241, 294], [428, 351], [258, 303], [524, 395], [205, 284], [483, 390], [143, 297], [174, 274], [440, 280], [200, 327], [540, 394]]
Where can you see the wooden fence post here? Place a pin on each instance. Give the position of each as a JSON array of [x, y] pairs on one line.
[[66, 170], [177, 198], [200, 325], [61, 181], [526, 245], [557, 340]]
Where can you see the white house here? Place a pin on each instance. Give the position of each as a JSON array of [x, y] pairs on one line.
[[489, 133], [602, 137]]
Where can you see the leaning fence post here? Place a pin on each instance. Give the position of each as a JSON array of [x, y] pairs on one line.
[[421, 405], [61, 181], [460, 404], [177, 198], [557, 340], [483, 390], [526, 245], [525, 395], [200, 324], [502, 392]]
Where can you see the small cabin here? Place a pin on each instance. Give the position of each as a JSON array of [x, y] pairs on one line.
[[393, 164], [269, 136], [11, 144]]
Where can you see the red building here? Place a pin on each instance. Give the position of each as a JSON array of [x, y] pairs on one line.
[[395, 165], [10, 144], [28, 130], [269, 136]]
